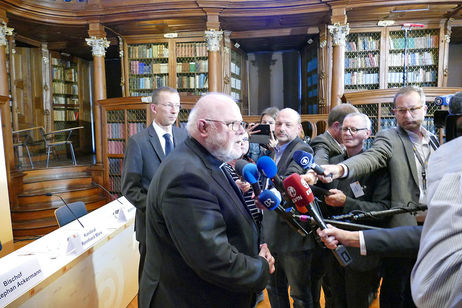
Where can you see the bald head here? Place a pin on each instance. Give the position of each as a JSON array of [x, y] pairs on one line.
[[215, 123], [287, 125]]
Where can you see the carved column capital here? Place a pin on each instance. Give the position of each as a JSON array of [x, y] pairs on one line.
[[4, 31], [213, 39], [98, 45], [339, 33]]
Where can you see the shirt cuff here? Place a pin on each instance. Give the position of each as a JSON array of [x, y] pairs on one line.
[[362, 244], [345, 171]]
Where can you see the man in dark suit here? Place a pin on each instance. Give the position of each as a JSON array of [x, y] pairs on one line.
[[405, 151], [145, 151], [353, 284], [291, 251], [329, 143], [202, 242]]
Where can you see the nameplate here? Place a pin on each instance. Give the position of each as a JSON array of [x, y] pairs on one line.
[[19, 279], [82, 240]]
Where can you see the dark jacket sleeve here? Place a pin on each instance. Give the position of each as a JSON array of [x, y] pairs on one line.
[[132, 187], [395, 242]]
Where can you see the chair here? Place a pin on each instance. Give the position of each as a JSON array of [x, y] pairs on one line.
[[23, 143], [50, 142], [64, 216]]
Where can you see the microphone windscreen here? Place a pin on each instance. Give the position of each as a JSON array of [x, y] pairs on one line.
[[250, 173], [299, 192], [269, 200], [267, 166], [240, 163], [304, 159]]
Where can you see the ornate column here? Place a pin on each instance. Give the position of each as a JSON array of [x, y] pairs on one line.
[[213, 39], [98, 43], [339, 33]]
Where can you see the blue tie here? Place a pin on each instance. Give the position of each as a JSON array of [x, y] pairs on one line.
[[168, 144]]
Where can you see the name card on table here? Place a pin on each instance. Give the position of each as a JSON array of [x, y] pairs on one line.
[[22, 276], [125, 210], [82, 240]]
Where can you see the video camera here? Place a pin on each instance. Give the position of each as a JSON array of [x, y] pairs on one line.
[[452, 119]]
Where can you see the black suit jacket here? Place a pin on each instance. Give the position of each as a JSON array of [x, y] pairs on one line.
[[202, 243], [281, 238], [395, 242], [143, 156]]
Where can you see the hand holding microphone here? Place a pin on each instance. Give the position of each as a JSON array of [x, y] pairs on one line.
[[250, 173], [306, 161]]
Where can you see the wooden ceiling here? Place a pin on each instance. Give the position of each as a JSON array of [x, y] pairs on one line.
[[257, 25]]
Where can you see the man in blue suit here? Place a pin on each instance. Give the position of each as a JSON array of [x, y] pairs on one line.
[[145, 151]]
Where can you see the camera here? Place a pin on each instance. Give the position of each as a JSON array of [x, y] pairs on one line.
[[452, 119], [443, 100]]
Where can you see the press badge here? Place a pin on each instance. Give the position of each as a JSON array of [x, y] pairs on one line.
[[357, 189]]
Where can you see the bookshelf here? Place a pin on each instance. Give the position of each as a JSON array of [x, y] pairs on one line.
[[362, 61], [191, 68], [310, 78], [65, 93], [422, 53]]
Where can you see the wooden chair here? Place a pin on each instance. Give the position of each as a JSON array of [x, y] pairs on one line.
[[50, 141], [64, 216]]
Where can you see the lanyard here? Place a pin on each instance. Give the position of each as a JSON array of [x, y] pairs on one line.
[[424, 165]]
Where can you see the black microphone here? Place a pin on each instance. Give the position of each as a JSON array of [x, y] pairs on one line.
[[67, 205], [268, 167], [272, 203], [250, 174], [106, 191], [306, 161], [301, 195]]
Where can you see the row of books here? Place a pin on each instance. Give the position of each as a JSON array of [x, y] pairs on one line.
[[191, 82], [417, 58], [426, 41], [65, 115], [61, 100], [199, 66], [62, 62], [312, 80], [235, 83], [235, 68], [136, 115], [153, 82], [235, 95], [191, 49], [313, 93], [115, 147], [115, 116], [359, 78], [139, 67], [114, 185], [115, 166], [312, 65], [363, 43], [371, 60], [148, 51], [60, 87], [134, 128], [115, 130], [68, 74], [419, 75]]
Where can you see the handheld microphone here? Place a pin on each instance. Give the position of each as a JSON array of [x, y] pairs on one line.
[[106, 191], [300, 193], [268, 167], [306, 161], [250, 173], [272, 203], [67, 205]]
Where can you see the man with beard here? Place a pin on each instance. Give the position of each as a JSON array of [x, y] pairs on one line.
[[202, 243]]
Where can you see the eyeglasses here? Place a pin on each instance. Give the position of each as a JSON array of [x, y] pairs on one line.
[[170, 105], [403, 111], [234, 125], [352, 130]]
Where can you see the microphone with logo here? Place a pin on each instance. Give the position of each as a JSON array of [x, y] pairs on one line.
[[67, 205], [300, 193], [106, 191], [250, 173], [272, 203], [306, 161]]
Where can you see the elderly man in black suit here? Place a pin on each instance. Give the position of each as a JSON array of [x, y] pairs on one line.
[[405, 151], [202, 242], [291, 251], [145, 151]]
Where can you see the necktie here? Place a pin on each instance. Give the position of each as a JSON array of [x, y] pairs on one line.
[[168, 144]]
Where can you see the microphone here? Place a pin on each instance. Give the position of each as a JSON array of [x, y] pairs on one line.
[[268, 167], [250, 173], [106, 191], [272, 203], [302, 196], [306, 161], [67, 205]]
